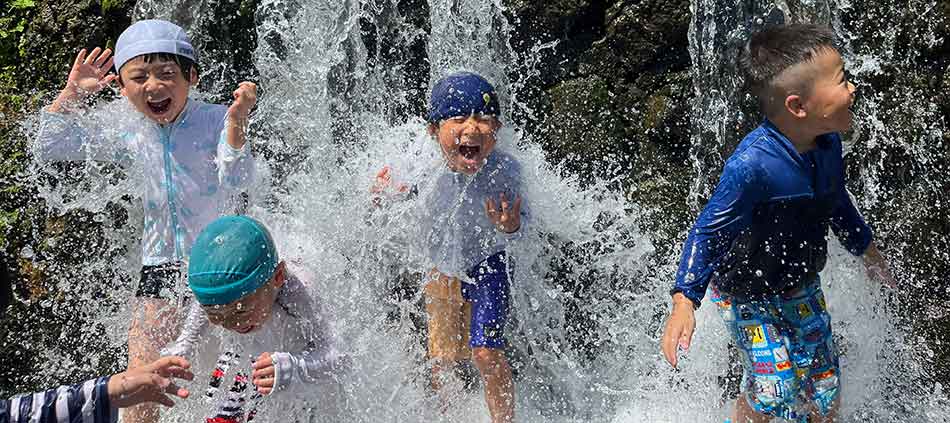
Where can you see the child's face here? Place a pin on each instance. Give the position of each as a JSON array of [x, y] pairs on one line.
[[249, 312], [466, 141], [832, 95], [157, 89]]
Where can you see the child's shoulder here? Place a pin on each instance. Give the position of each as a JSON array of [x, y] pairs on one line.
[[209, 112], [752, 155], [505, 163], [298, 283]]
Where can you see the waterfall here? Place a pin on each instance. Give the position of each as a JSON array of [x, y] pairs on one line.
[[344, 84]]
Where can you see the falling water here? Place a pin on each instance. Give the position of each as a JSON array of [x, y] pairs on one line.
[[885, 363], [589, 293]]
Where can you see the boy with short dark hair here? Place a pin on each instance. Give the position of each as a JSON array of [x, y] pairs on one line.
[[470, 210], [760, 241], [193, 155], [241, 284]]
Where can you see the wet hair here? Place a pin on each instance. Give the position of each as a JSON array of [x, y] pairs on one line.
[[774, 50], [185, 65]]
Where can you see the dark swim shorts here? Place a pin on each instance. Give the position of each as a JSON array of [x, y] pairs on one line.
[[490, 299], [160, 281]]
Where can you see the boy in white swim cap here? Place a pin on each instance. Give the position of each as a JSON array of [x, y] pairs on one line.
[[193, 155]]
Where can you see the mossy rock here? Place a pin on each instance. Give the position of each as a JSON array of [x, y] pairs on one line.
[[584, 129], [642, 36]]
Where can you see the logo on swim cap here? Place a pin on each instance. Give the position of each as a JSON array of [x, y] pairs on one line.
[[487, 98]]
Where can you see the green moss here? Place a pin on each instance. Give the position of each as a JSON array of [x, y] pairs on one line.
[[657, 109], [110, 5]]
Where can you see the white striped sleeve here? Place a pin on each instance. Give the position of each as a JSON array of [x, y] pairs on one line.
[[39, 399], [88, 406], [15, 410]]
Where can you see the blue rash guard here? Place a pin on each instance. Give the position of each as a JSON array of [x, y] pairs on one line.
[[763, 231]]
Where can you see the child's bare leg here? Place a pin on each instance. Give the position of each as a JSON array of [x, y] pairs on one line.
[[154, 324], [744, 412], [448, 340], [499, 387]]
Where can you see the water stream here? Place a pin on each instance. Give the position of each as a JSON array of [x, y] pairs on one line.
[[590, 293]]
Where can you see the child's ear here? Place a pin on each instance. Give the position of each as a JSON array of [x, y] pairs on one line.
[[433, 129], [193, 77], [280, 275], [118, 80], [796, 106]]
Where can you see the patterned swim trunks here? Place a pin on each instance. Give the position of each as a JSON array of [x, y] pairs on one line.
[[789, 355]]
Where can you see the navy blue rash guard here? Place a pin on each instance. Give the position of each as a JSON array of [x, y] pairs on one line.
[[763, 231]]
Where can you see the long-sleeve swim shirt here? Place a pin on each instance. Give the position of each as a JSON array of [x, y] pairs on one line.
[[454, 227], [190, 171], [82, 402], [764, 229], [297, 335]]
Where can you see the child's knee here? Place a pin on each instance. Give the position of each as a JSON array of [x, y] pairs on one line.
[[488, 359]]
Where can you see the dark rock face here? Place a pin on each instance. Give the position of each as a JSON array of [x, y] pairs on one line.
[[614, 96], [36, 56], [613, 100], [898, 165]]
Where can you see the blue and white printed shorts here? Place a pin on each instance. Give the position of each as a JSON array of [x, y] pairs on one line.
[[789, 355]]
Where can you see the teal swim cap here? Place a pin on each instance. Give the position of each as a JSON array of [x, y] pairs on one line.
[[231, 258]]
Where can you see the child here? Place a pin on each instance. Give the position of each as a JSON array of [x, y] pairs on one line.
[[241, 285], [760, 242], [193, 155], [471, 210]]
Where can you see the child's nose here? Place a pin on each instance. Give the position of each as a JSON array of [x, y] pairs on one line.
[[470, 124], [152, 84]]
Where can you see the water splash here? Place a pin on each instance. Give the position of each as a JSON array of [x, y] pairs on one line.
[[884, 367], [590, 292]]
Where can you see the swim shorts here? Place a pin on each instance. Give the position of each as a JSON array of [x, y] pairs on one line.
[[466, 315], [490, 297], [160, 281], [789, 355]]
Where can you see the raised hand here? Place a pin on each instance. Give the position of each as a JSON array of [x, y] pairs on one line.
[[505, 216], [245, 97], [89, 75], [150, 383], [382, 186]]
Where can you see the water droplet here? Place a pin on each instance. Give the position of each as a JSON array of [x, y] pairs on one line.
[[758, 273], [27, 252]]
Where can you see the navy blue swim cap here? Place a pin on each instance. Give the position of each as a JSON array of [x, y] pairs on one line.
[[462, 94]]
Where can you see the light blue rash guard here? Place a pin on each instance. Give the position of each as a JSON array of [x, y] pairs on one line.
[[190, 170], [764, 229]]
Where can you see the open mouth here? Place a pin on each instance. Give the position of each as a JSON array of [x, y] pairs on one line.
[[160, 107], [470, 152]]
